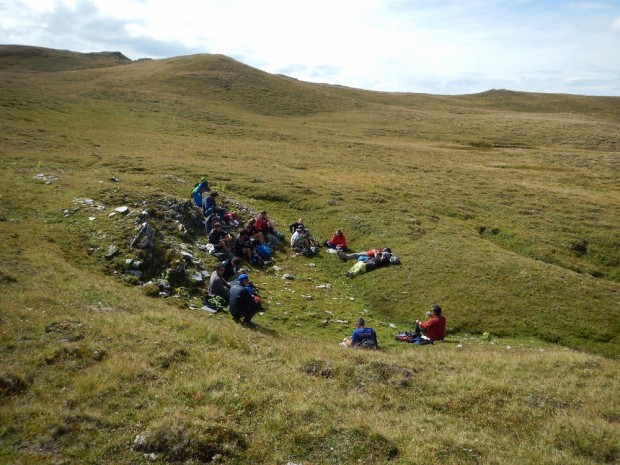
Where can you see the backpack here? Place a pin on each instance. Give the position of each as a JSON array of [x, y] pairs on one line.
[[263, 251], [197, 186]]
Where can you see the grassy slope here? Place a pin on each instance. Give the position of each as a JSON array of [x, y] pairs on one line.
[[501, 205]]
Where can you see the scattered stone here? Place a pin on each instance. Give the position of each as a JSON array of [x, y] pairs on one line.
[[208, 309], [122, 210], [392, 325], [136, 273], [324, 286], [276, 268], [112, 252], [144, 238], [112, 215], [288, 276], [114, 179], [341, 321], [91, 218], [46, 178]]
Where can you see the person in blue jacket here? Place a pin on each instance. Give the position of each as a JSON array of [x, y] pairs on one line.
[[201, 188], [363, 336]]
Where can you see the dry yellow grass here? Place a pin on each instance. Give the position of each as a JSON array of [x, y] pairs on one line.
[[503, 207]]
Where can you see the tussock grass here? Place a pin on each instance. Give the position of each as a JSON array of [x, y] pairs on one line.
[[502, 206]]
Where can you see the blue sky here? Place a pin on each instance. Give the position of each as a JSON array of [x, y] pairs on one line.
[[438, 47]]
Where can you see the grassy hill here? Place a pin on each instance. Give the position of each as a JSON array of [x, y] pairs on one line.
[[504, 208]]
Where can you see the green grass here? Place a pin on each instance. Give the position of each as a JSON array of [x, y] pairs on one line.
[[503, 207]]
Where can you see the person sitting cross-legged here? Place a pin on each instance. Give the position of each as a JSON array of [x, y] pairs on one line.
[[435, 327], [299, 241], [338, 241], [220, 239], [362, 336]]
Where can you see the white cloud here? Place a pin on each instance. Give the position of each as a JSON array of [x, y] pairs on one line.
[[415, 45]]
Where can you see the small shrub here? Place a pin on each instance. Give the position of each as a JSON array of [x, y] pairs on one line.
[[11, 384], [184, 441], [150, 290]]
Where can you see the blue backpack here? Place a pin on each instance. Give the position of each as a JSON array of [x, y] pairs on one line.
[[263, 251]]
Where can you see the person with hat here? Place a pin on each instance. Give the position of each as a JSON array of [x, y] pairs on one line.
[[218, 285], [243, 305], [362, 336], [299, 241]]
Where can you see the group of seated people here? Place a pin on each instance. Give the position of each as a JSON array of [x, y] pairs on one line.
[[253, 243]]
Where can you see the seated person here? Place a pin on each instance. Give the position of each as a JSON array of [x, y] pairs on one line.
[[218, 285], [199, 190], [299, 241], [435, 327], [254, 233], [265, 226], [338, 241], [209, 206], [210, 221], [382, 259], [362, 336], [243, 245], [369, 253], [232, 269], [232, 218], [293, 227], [306, 232], [220, 239], [242, 303]]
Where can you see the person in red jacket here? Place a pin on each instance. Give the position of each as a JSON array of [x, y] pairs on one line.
[[435, 327], [338, 241]]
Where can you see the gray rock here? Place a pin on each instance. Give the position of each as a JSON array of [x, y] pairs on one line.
[[122, 210], [112, 252]]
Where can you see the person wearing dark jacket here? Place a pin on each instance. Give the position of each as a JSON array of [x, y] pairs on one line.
[[243, 305]]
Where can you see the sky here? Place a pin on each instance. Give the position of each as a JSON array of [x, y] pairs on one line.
[[447, 47]]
